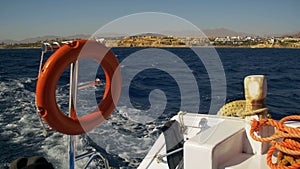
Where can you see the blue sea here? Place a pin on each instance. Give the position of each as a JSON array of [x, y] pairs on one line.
[[125, 138]]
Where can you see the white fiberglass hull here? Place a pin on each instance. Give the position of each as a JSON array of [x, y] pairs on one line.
[[219, 143]]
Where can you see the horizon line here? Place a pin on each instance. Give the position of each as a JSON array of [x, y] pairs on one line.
[[205, 31]]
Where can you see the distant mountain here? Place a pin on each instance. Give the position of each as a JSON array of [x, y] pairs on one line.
[[294, 35], [36, 39], [219, 32], [8, 41], [223, 32], [297, 35], [45, 38], [79, 36]]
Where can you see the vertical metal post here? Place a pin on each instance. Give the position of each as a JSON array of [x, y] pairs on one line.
[[255, 94], [72, 110]]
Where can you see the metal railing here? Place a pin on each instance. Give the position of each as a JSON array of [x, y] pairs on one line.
[[74, 87]]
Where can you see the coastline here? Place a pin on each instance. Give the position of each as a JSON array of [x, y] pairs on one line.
[[21, 48], [151, 41], [219, 47], [157, 45]]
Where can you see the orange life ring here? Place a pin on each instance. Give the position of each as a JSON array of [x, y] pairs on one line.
[[50, 74]]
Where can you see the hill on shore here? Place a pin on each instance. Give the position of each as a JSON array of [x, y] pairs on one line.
[[218, 32]]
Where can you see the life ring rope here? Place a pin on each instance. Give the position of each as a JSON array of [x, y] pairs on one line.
[[53, 69]]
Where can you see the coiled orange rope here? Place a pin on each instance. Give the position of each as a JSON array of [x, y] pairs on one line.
[[285, 139]]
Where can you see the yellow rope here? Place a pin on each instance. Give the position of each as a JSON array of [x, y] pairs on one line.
[[234, 108], [237, 108]]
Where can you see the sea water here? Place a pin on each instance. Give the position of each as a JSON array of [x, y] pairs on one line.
[[122, 139]]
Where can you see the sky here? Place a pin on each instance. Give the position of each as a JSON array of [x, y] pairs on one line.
[[20, 19]]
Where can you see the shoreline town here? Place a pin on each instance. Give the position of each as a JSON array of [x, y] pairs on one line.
[[180, 42]]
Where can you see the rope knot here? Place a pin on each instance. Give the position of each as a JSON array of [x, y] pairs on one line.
[[286, 140], [255, 125]]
